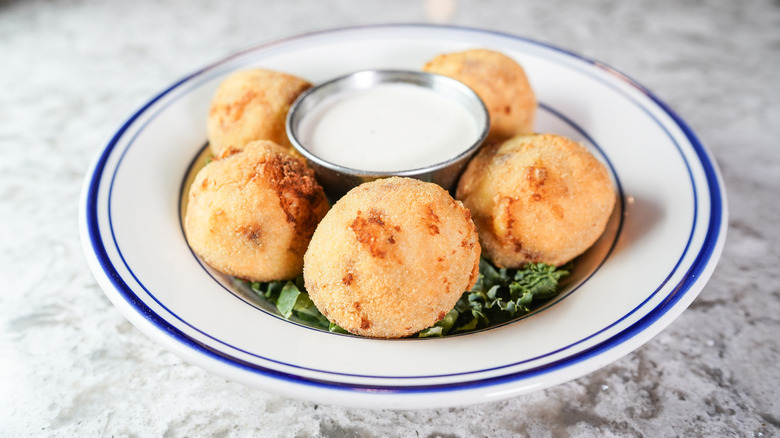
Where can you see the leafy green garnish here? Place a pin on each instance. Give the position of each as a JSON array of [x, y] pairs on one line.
[[288, 298], [498, 296], [291, 299]]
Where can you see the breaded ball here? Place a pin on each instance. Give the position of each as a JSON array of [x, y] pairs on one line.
[[501, 84], [391, 258], [251, 213], [537, 198], [252, 105]]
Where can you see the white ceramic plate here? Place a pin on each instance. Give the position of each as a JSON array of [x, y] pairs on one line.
[[660, 249]]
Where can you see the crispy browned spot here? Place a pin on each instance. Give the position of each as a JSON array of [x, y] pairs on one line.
[[447, 285], [474, 276], [441, 316], [228, 151], [348, 278], [432, 220], [517, 245], [235, 109], [374, 233], [535, 176], [364, 323], [356, 305], [536, 197], [216, 219], [300, 196], [557, 211], [252, 233]]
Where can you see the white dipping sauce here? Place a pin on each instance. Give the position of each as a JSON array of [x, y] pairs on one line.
[[390, 127]]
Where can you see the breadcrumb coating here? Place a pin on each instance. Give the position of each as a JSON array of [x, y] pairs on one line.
[[499, 81], [252, 212], [391, 258], [537, 198], [252, 105]]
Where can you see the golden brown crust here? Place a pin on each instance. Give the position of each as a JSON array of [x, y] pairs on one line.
[[374, 233], [252, 105], [499, 81], [537, 198], [251, 213], [376, 268]]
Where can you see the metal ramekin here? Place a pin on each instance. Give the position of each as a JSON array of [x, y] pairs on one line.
[[336, 179]]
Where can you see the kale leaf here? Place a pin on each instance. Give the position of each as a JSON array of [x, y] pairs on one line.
[[498, 296]]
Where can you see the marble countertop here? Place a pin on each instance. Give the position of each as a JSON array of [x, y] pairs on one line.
[[71, 365]]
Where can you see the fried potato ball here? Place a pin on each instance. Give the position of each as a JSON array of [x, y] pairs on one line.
[[252, 105], [537, 198], [499, 81], [391, 258], [251, 213]]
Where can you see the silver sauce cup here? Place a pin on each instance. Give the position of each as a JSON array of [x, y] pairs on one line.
[[337, 179]]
